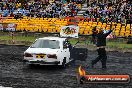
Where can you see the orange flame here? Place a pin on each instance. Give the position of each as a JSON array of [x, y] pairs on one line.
[[81, 71]]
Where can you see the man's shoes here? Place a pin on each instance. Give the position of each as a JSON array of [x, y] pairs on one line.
[[104, 68]]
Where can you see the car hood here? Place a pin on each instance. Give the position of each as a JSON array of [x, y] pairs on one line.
[[42, 50]]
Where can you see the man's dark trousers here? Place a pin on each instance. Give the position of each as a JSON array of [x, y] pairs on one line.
[[101, 56]]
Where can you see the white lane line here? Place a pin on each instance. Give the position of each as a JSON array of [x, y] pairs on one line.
[[5, 87]]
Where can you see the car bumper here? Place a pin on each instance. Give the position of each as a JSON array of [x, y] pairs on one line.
[[42, 62]]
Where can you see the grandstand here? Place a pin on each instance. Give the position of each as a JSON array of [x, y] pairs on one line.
[[53, 24]]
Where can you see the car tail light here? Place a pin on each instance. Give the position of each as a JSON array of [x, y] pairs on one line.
[[52, 56], [28, 55]]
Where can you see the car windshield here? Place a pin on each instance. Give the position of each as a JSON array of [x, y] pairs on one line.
[[41, 43]]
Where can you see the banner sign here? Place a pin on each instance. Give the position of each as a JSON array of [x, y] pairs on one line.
[[7, 27], [1, 27], [69, 31], [11, 27]]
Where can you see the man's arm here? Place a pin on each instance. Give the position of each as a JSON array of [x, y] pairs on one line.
[[106, 34], [94, 34], [93, 38], [111, 29]]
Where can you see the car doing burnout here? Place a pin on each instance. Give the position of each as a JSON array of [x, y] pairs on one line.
[[50, 51]]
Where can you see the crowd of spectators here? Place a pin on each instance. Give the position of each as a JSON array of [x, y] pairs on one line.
[[106, 12], [120, 12], [37, 9]]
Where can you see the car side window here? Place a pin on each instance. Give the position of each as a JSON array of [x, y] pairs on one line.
[[65, 45]]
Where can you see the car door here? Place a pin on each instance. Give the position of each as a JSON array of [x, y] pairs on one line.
[[79, 53], [66, 51]]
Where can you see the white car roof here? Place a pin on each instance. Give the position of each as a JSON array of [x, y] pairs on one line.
[[54, 38]]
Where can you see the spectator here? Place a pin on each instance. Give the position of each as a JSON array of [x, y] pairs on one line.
[[0, 16], [11, 15], [107, 12], [6, 13]]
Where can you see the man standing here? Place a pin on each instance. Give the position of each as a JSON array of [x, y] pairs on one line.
[[100, 41]]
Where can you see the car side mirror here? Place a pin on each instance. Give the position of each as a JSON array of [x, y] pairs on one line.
[[64, 47]]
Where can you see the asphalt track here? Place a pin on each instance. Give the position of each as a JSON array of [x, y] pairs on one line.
[[13, 73]]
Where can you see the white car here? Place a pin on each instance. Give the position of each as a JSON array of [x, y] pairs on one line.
[[50, 51]]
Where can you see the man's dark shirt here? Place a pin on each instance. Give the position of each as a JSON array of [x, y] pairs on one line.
[[101, 38]]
